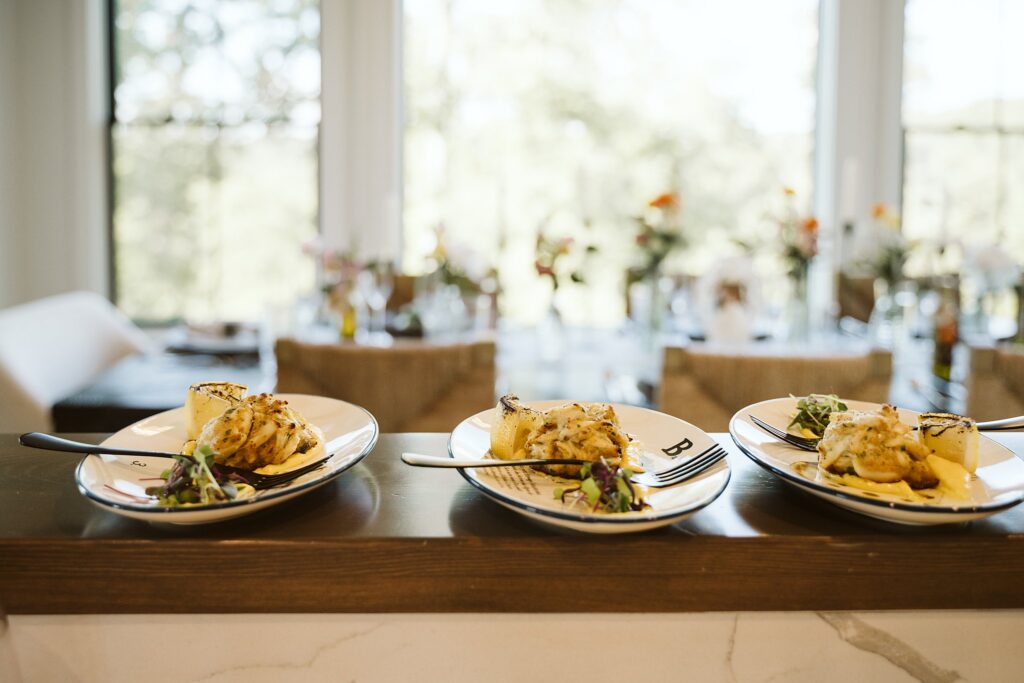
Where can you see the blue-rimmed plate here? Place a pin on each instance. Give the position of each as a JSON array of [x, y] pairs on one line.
[[118, 483], [663, 438], [997, 485]]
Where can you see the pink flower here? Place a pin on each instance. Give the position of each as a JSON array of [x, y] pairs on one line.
[[313, 247]]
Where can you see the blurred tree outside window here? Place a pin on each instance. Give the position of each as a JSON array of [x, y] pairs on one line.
[[568, 116], [216, 110], [963, 122]]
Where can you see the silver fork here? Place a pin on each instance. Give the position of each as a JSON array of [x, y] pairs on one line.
[[670, 476], [801, 442], [809, 444], [257, 481]]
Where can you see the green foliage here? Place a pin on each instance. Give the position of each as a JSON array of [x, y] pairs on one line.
[[215, 156]]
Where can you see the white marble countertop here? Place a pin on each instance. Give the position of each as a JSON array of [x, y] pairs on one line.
[[931, 647]]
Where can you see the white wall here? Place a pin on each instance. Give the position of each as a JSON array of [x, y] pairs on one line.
[[8, 217], [53, 217]]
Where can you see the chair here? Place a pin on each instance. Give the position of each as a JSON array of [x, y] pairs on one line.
[[706, 385], [995, 385], [53, 347], [856, 296], [403, 292], [410, 387]]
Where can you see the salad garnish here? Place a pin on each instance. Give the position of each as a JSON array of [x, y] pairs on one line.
[[604, 487], [813, 412], [198, 480]]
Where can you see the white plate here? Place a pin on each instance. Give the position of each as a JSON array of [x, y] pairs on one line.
[[531, 493], [350, 433], [997, 485]]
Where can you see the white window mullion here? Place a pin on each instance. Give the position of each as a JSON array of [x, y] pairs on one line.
[[859, 132], [861, 162], [360, 132]]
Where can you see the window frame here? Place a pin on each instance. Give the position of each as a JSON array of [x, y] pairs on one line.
[[859, 78], [112, 78]]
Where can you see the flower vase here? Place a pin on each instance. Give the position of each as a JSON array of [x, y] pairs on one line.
[[798, 315], [886, 320], [979, 324], [648, 303], [552, 333]]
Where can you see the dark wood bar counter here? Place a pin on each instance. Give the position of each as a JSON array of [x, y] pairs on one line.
[[386, 537]]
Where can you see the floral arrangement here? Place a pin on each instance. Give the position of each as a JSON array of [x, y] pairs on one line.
[[660, 233], [334, 266], [798, 235], [337, 270], [892, 248], [991, 268], [452, 266], [548, 252]]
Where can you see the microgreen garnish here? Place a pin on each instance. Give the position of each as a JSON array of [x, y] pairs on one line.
[[604, 487], [197, 480], [814, 410]]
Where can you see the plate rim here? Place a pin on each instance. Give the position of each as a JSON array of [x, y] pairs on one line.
[[888, 505], [593, 519], [273, 495]]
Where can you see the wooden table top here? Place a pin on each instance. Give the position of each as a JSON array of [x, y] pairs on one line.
[[386, 537]]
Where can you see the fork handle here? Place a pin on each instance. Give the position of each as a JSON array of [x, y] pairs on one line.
[[436, 461], [48, 442], [1002, 425]]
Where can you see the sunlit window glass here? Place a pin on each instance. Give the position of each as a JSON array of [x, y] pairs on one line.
[[216, 112], [566, 117], [963, 114]]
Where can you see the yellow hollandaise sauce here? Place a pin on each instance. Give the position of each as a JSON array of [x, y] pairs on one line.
[[900, 489], [954, 481]]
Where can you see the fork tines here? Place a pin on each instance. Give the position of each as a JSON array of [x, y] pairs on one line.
[[792, 439], [274, 480], [699, 462]]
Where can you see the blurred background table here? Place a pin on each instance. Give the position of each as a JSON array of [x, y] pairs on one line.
[[143, 385], [590, 364]]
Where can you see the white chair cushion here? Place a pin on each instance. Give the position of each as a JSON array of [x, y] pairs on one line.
[[53, 347]]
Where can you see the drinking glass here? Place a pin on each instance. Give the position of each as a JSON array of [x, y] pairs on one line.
[[375, 283]]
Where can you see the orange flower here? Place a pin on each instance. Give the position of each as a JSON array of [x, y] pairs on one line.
[[810, 224], [878, 210], [665, 201]]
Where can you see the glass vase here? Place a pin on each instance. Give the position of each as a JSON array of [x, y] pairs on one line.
[[648, 303], [798, 313], [552, 334], [892, 313]]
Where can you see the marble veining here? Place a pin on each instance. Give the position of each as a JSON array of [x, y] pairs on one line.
[[870, 639], [731, 647], [747, 647], [288, 668]]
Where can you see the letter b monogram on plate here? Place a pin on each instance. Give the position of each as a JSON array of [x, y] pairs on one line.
[[678, 449]]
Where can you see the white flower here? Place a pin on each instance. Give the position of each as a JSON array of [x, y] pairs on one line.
[[993, 268]]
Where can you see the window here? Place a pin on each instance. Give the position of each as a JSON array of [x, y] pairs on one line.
[[963, 118], [214, 138], [568, 117]]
